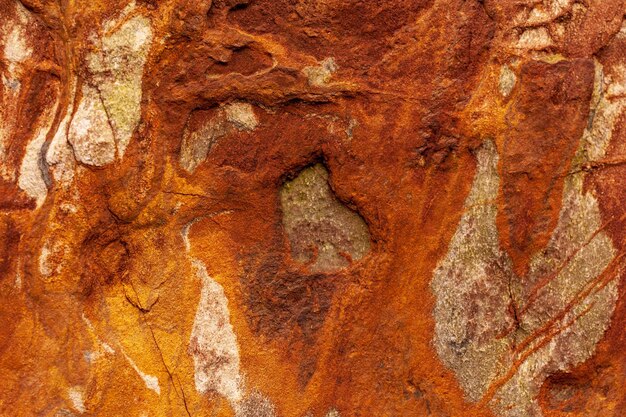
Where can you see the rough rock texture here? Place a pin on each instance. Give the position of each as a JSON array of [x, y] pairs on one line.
[[322, 232], [328, 208]]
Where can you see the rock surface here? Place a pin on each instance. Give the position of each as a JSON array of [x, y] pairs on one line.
[[260, 208]]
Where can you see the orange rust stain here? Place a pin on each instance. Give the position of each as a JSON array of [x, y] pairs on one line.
[[414, 93]]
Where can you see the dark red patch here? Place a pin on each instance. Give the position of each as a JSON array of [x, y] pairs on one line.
[[9, 239], [544, 127]]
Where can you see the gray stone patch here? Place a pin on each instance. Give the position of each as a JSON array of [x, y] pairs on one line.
[[241, 115], [202, 131], [117, 70], [535, 39], [90, 133], [471, 285], [110, 108], [213, 343], [197, 143], [483, 313], [255, 405], [31, 178], [507, 81], [320, 75], [322, 231]]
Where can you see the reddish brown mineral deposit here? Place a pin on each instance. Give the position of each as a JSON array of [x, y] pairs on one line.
[[332, 208]]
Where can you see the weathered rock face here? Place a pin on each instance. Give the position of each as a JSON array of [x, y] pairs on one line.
[[290, 209]]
